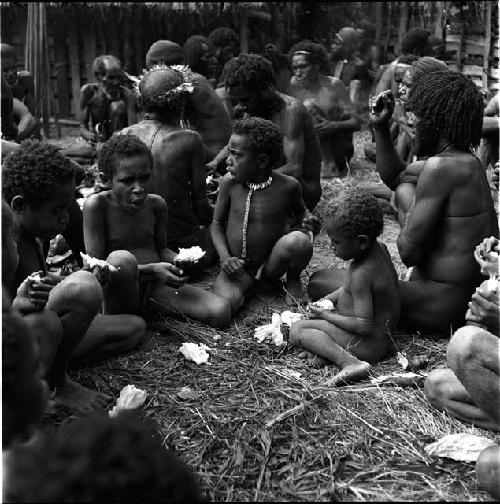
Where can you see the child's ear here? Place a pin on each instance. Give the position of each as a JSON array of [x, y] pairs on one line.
[[18, 204], [262, 161], [364, 242]]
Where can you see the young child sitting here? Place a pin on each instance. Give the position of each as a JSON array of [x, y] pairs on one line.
[[127, 226], [367, 309], [100, 459], [38, 184], [253, 213]]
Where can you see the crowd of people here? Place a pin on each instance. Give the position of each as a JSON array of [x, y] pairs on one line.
[[267, 128]]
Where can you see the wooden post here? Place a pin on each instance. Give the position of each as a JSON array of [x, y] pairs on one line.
[[114, 37], [128, 48], [487, 45], [378, 22], [60, 66], [243, 31], [403, 23], [388, 26], [88, 35], [74, 61], [101, 32], [139, 52]]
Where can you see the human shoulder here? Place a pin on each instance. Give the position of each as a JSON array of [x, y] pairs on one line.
[[97, 202], [87, 91], [156, 202], [292, 105], [286, 181]]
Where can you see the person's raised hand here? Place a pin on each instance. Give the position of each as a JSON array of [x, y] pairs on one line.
[[484, 309], [170, 274], [34, 291], [381, 109], [323, 127], [232, 265], [312, 224]]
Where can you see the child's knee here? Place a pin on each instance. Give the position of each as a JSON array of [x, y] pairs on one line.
[[136, 332], [436, 386], [297, 245], [125, 262], [219, 312], [80, 290], [463, 345]]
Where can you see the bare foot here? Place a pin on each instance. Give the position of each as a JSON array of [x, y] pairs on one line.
[[304, 355], [295, 292], [350, 373], [80, 400]]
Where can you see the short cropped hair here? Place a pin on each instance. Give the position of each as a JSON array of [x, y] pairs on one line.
[[101, 459], [450, 104], [221, 37], [101, 63], [262, 137], [357, 212], [416, 41], [251, 71], [316, 54], [33, 170], [120, 146]]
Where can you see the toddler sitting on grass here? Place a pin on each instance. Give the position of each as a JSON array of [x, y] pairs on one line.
[[357, 332]]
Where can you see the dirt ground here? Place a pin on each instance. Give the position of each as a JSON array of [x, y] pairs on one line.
[[261, 425]]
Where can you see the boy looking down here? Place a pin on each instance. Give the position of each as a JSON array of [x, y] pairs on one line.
[[367, 308], [254, 208], [126, 225]]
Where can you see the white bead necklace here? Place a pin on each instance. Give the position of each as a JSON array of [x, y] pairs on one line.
[[252, 187]]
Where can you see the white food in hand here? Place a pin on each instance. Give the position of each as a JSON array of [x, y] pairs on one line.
[[192, 254], [324, 304], [35, 278], [270, 331], [92, 262], [288, 318], [130, 397]]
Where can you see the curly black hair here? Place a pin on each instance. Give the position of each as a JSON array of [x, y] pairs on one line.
[[101, 459], [357, 212], [193, 50], [416, 41], [221, 37], [262, 137], [120, 146], [253, 71], [33, 170], [317, 54], [450, 104]]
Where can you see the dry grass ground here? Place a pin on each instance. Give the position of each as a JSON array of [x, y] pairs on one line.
[[262, 427]]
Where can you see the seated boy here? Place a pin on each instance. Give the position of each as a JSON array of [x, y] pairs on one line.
[[126, 225], [358, 331], [252, 216], [38, 183]]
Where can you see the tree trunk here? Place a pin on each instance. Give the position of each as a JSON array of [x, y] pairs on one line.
[[89, 44], [74, 59], [139, 51], [378, 22], [60, 66], [487, 45], [243, 32], [403, 23]]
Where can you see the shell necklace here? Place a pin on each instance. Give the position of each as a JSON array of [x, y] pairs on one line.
[[252, 187]]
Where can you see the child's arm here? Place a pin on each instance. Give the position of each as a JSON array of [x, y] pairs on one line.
[[218, 229], [362, 321], [334, 296], [94, 227], [164, 270], [301, 217]]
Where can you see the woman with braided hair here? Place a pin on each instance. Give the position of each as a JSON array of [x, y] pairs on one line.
[[327, 100], [452, 209]]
